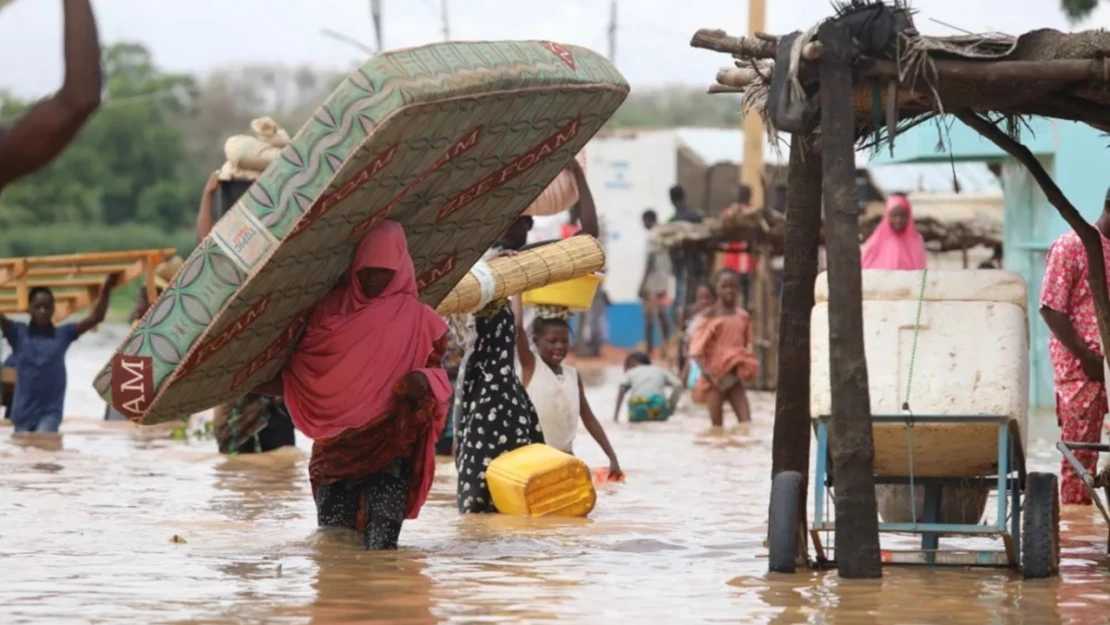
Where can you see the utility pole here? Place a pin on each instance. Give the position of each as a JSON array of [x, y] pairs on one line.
[[446, 22], [751, 167], [613, 31], [376, 15]]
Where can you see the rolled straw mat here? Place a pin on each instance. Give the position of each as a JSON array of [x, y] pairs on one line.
[[453, 141], [511, 275]]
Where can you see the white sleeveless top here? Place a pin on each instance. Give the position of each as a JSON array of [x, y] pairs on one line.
[[557, 404]]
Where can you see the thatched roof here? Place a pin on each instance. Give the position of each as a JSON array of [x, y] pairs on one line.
[[910, 77], [941, 234]]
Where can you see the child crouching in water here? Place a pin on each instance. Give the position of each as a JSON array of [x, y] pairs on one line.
[[555, 388], [647, 385], [722, 347]]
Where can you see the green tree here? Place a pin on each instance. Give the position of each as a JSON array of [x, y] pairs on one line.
[[128, 147], [668, 107], [1078, 10]]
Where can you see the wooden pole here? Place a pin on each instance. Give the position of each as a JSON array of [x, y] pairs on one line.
[[852, 447], [376, 16], [444, 17], [751, 168], [790, 446], [613, 31], [1088, 234]]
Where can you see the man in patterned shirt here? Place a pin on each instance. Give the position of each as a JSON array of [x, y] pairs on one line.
[[1077, 362]]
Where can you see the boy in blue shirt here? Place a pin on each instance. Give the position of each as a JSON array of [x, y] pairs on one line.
[[38, 351]]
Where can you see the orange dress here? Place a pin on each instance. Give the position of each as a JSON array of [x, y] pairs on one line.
[[723, 345]]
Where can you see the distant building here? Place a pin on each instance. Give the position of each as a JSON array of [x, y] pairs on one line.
[[632, 170]]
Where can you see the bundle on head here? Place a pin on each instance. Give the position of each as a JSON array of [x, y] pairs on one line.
[[544, 311], [248, 157]]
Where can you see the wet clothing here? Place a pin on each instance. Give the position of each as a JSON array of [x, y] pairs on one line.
[[406, 433], [1080, 402], [646, 386], [645, 380], [373, 506], [653, 407], [452, 363], [253, 424], [495, 413], [558, 403], [723, 346], [40, 371]]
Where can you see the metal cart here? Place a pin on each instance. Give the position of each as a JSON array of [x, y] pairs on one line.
[[1091, 482], [1028, 505]]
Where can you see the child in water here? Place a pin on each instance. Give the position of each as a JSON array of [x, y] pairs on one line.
[[722, 347], [647, 385], [555, 388], [39, 356], [704, 298]]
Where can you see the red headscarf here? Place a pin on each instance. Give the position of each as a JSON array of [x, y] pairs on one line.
[[887, 249], [355, 349]]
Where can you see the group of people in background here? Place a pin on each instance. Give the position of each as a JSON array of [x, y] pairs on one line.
[[715, 351]]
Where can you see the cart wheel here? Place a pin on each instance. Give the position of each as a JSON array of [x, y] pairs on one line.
[[782, 529], [1040, 543]]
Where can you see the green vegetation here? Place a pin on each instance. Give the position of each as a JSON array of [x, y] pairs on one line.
[[132, 178], [1077, 10]]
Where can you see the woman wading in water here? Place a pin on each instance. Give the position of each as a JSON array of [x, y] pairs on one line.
[[366, 383], [494, 412]]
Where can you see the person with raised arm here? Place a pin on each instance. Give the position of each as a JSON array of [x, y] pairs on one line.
[[40, 135]]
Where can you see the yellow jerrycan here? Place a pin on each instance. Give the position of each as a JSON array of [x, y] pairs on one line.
[[538, 480]]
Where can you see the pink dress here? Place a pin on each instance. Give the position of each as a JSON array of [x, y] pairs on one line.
[[723, 345], [1080, 402]]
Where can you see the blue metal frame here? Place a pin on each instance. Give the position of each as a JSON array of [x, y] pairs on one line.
[[1008, 482]]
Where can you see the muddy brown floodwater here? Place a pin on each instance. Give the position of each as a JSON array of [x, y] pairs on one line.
[[122, 527]]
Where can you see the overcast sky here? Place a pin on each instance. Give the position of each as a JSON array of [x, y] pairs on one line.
[[652, 48]]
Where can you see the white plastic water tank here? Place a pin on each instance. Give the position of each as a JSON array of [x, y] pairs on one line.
[[972, 358]]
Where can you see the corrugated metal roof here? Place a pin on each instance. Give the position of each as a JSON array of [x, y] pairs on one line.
[[935, 178]]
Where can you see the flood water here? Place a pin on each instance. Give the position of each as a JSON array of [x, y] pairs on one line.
[[125, 527]]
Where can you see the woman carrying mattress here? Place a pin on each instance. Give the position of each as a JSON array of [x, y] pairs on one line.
[[366, 383]]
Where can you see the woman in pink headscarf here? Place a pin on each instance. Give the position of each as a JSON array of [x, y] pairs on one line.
[[895, 243], [366, 383]]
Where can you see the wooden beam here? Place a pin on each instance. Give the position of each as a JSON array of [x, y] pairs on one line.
[[1088, 234], [852, 447], [77, 270], [91, 258], [987, 72], [755, 46], [790, 445]]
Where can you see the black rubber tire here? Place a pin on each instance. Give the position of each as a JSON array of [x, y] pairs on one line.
[[1040, 527], [782, 523]]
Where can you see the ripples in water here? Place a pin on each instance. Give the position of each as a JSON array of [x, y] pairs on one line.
[[109, 525]]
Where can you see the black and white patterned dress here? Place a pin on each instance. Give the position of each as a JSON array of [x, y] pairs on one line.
[[496, 414]]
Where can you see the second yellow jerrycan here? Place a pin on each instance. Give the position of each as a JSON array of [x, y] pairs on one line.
[[538, 480]]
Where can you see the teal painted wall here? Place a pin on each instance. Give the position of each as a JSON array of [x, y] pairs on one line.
[[1072, 154]]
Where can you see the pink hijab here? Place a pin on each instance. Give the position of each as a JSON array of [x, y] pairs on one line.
[[356, 349], [887, 249]]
